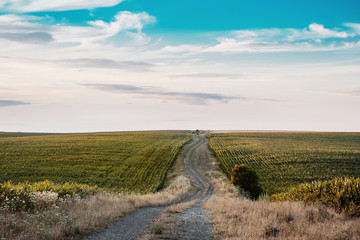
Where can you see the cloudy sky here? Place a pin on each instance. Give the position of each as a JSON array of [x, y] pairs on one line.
[[103, 65]]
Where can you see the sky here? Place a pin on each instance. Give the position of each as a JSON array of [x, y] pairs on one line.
[[117, 65]]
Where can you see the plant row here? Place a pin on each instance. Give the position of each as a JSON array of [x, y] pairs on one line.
[[286, 159], [120, 161]]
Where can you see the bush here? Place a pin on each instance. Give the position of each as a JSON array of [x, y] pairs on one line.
[[247, 179], [343, 194]]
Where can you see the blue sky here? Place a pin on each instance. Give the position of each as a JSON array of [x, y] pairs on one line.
[[78, 65], [205, 15]]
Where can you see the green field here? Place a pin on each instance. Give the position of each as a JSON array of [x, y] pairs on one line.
[[123, 161], [284, 159]]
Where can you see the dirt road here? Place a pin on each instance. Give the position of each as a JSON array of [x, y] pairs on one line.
[[195, 221]]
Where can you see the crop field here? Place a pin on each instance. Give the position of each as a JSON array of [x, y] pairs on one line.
[[122, 161], [285, 159]]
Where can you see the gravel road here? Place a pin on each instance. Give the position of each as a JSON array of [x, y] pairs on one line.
[[195, 220]]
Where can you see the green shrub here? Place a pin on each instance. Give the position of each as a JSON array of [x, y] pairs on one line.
[[343, 194], [247, 179]]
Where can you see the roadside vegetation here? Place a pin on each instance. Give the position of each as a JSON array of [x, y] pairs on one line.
[[246, 179], [235, 217], [342, 194], [73, 217], [31, 197]]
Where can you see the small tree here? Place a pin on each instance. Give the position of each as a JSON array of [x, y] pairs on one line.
[[247, 179]]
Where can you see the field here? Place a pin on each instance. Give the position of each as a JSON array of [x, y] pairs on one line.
[[122, 161], [284, 159]]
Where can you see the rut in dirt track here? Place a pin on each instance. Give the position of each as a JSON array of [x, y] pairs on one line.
[[195, 220]]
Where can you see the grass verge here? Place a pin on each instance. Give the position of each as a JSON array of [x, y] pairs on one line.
[[76, 219], [235, 217]]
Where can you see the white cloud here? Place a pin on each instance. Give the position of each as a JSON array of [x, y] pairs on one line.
[[314, 31], [313, 38], [354, 26], [182, 48], [54, 5], [107, 64], [17, 22], [100, 31], [123, 21], [231, 45], [245, 34], [12, 26], [268, 34], [326, 33], [12, 18]]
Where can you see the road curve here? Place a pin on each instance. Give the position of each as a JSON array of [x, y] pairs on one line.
[[198, 179]]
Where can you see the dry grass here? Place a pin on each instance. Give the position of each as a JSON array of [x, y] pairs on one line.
[[181, 207], [165, 226], [73, 220], [235, 217]]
